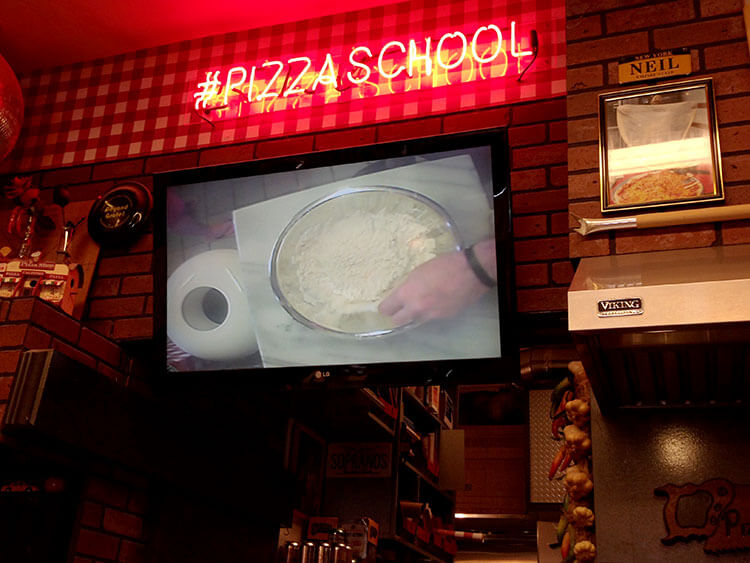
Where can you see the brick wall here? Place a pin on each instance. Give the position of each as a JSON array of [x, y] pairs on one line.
[[598, 33], [110, 526], [30, 323]]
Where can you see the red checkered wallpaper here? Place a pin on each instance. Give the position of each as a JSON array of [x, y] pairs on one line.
[[152, 101]]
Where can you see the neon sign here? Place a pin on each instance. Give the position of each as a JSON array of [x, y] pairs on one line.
[[397, 66]]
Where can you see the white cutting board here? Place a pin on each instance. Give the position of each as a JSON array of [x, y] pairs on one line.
[[453, 183]]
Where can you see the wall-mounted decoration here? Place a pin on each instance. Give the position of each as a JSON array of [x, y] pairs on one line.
[[588, 226], [716, 510], [659, 146], [665, 64], [40, 253], [120, 215]]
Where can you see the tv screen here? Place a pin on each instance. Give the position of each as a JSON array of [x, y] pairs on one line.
[[394, 257]]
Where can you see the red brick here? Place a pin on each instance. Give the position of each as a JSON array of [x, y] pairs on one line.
[[588, 209], [607, 48], [6, 383], [118, 169], [558, 176], [123, 265], [4, 308], [562, 272], [74, 353], [584, 157], [105, 287], [113, 374], [527, 135], [735, 81], [649, 16], [91, 514], [734, 138], [132, 552], [582, 186], [583, 7], [530, 275], [127, 329], [727, 55], [665, 239], [137, 284], [144, 243], [21, 309], [541, 155], [97, 544], [720, 7], [138, 502], [735, 195], [103, 327], [36, 339], [583, 27], [123, 523], [346, 138], [529, 226], [535, 112], [559, 223], [558, 131], [226, 155], [149, 308], [9, 360], [100, 347], [591, 245], [584, 104], [736, 168], [77, 559], [699, 33], [550, 299], [283, 147], [528, 179], [735, 232], [733, 110], [496, 117], [12, 335], [413, 129], [55, 321], [584, 130], [89, 191], [105, 492], [171, 162], [76, 175], [534, 202], [116, 307], [541, 249]]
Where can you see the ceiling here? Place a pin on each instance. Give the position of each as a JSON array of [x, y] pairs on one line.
[[41, 34]]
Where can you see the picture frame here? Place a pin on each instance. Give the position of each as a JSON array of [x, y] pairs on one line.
[[659, 146]]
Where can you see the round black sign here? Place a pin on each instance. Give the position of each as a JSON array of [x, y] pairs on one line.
[[121, 214]]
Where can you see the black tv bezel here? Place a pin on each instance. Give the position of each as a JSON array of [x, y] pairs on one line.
[[430, 372]]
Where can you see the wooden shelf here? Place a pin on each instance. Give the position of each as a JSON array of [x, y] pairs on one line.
[[419, 412]]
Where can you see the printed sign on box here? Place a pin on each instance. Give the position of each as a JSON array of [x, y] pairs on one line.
[[359, 460]]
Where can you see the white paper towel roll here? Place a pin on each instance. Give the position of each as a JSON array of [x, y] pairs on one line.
[[208, 313]]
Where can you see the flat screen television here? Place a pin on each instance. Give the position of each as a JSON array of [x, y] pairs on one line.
[[390, 263]]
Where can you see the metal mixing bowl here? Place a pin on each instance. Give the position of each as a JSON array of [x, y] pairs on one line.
[[333, 313]]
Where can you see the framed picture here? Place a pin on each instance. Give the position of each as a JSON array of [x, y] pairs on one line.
[[306, 461], [659, 146]]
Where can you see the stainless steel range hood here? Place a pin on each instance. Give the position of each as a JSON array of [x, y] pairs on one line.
[[665, 328]]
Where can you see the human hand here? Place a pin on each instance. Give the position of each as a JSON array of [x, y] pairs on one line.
[[439, 288]]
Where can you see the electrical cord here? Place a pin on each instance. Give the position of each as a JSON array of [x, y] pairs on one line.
[[534, 50]]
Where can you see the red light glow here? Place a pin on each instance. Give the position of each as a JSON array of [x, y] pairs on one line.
[[396, 66]]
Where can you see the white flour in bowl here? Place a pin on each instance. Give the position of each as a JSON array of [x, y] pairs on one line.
[[339, 266]]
